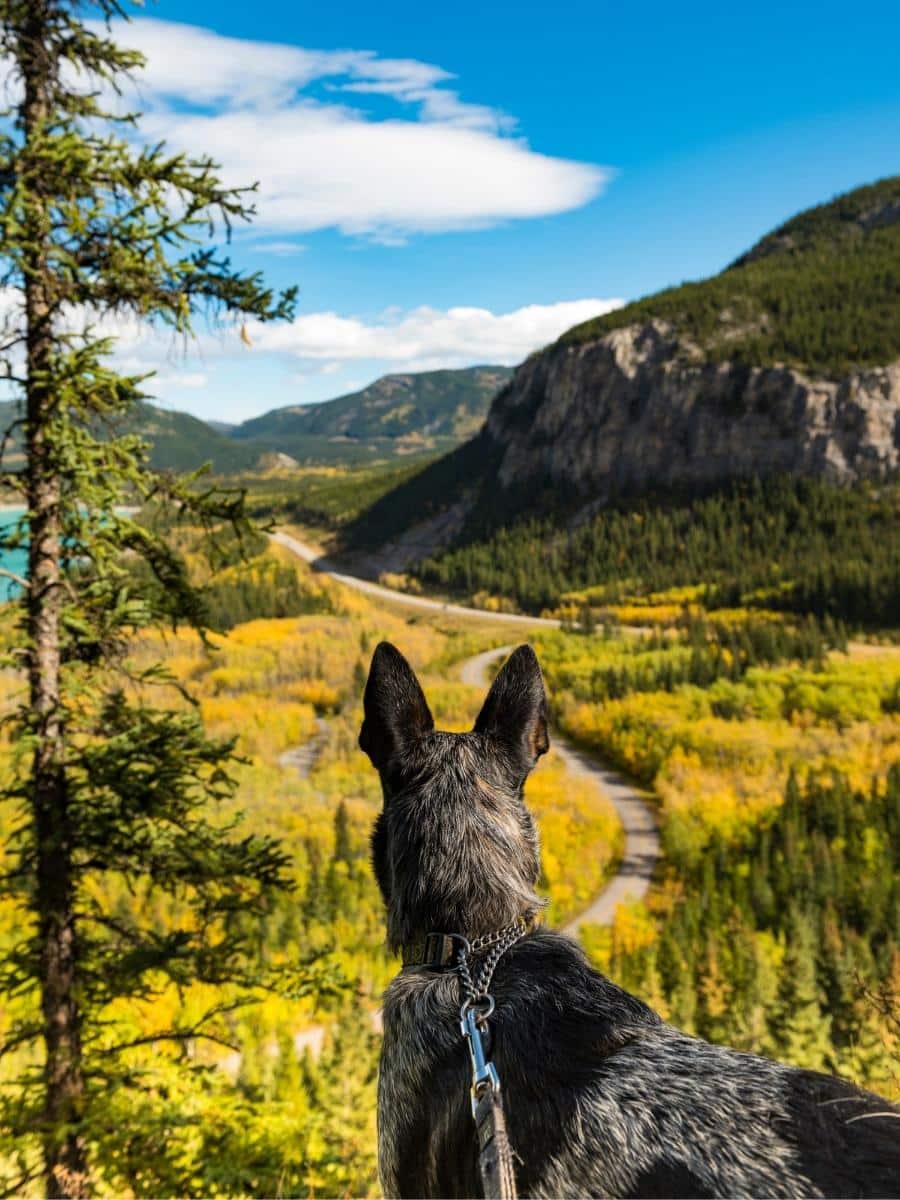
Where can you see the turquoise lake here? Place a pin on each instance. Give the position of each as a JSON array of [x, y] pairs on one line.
[[11, 559], [15, 559]]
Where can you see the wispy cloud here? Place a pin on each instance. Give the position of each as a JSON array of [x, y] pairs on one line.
[[324, 343], [282, 249], [427, 338], [297, 121]]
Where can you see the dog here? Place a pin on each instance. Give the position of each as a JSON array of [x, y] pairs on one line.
[[601, 1096]]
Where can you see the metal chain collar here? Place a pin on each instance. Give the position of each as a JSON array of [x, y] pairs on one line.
[[475, 988]]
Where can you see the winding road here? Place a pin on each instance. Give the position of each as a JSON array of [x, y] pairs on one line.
[[641, 838], [642, 847], [315, 559]]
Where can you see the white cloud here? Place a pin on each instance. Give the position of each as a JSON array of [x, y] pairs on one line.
[[296, 120], [324, 343], [316, 348], [282, 249], [427, 338]]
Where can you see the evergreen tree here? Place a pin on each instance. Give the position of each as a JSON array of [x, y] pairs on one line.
[[360, 674], [108, 786], [715, 996], [345, 1104], [587, 622], [802, 1030], [804, 546]]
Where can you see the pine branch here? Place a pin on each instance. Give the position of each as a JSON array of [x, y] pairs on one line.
[[112, 789], [18, 579], [186, 1033]]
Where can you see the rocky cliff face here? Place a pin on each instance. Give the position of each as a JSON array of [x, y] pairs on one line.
[[638, 408]]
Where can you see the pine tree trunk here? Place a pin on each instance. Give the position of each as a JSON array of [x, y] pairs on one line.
[[64, 1151]]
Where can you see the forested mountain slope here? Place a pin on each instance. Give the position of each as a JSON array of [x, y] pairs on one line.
[[181, 442], [819, 294], [787, 363]]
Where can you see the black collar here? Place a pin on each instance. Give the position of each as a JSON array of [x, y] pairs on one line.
[[440, 951], [437, 951]]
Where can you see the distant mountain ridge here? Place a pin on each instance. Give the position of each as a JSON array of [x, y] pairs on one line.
[[178, 441], [415, 413], [397, 415], [786, 362], [181, 442]]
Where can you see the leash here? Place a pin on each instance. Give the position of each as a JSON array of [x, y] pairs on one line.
[[452, 951], [495, 1155]]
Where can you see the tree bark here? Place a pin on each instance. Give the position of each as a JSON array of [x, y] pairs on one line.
[[65, 1158]]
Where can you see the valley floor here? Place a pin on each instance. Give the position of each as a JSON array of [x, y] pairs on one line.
[[768, 785]]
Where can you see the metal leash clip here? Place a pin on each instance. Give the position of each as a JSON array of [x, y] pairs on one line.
[[484, 1073]]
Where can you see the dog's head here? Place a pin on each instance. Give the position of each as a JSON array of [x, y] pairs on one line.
[[454, 848]]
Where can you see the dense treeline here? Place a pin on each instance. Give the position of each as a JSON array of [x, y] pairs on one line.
[[775, 766], [800, 545], [788, 940], [245, 579], [702, 652], [264, 588]]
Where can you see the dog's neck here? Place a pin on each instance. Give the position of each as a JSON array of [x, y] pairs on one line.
[[471, 916], [449, 877]]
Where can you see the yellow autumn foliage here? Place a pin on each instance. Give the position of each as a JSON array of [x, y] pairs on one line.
[[722, 772]]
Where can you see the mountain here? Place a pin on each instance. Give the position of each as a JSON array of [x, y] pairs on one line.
[[429, 411], [178, 441], [398, 415], [787, 362]]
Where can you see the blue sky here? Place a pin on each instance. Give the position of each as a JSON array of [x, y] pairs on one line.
[[459, 183]]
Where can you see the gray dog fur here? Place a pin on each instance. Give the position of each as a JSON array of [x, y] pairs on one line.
[[602, 1097]]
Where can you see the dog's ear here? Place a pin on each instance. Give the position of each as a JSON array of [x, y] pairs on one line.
[[515, 711], [396, 712]]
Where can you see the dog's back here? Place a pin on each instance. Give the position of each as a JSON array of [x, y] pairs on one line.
[[601, 1097], [604, 1099]]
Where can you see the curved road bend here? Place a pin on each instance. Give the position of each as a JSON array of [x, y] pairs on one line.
[[642, 848], [319, 563]]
